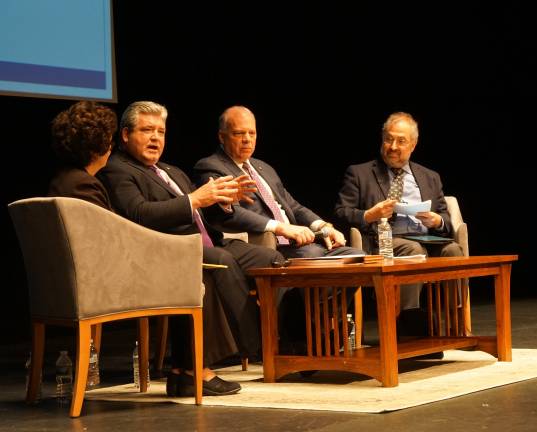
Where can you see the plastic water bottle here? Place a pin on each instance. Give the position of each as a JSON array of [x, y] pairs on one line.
[[351, 339], [93, 369], [385, 238], [64, 377], [28, 366], [136, 368]]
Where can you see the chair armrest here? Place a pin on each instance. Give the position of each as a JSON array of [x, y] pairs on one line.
[[356, 238], [461, 237], [266, 239]]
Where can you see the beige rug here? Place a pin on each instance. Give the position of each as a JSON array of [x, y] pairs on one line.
[[420, 382]]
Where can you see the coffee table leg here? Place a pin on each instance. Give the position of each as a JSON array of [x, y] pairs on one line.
[[502, 288], [385, 294], [269, 327]]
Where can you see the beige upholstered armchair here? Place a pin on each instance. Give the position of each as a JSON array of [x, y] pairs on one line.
[[87, 266], [460, 235]]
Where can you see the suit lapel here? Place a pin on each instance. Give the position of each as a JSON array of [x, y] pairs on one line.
[[177, 178], [380, 172]]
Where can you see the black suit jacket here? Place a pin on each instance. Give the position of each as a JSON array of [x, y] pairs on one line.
[[366, 184], [139, 194], [78, 183], [251, 217]]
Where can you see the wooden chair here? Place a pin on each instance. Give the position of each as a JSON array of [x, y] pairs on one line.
[[459, 294], [87, 266]]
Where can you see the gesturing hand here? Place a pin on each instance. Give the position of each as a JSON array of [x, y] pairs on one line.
[[383, 209], [246, 187], [221, 190]]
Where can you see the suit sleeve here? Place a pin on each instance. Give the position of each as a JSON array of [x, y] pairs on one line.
[[133, 196], [242, 218], [348, 209]]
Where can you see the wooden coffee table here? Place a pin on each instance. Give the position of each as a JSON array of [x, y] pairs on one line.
[[378, 362]]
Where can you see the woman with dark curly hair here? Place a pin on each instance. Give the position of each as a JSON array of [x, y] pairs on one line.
[[82, 140]]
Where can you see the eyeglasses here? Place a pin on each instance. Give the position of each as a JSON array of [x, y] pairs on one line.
[[400, 141]]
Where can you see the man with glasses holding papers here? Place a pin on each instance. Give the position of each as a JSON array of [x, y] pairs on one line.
[[407, 193]]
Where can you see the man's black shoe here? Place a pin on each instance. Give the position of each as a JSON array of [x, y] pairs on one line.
[[182, 385]]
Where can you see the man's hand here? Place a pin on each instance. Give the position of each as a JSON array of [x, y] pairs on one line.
[[300, 234], [246, 187], [335, 239], [430, 219], [383, 209], [223, 190]]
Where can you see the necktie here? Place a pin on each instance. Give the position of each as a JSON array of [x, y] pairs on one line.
[[267, 198], [163, 175], [396, 187]]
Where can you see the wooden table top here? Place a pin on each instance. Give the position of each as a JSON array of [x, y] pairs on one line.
[[396, 265]]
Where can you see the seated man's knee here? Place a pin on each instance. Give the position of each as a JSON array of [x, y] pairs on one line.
[[312, 250], [452, 249], [404, 247]]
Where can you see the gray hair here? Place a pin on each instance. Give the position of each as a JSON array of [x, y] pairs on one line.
[[129, 119], [398, 116]]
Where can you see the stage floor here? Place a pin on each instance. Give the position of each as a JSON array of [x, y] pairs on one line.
[[510, 407]]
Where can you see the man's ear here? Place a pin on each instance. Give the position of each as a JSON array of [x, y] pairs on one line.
[[125, 134], [221, 137]]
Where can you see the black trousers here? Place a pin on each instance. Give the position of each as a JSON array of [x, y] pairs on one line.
[[230, 294]]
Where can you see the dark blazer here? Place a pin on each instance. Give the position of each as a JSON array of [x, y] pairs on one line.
[[251, 217], [77, 183], [366, 184], [140, 195]]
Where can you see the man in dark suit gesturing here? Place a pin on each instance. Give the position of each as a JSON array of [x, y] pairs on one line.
[[365, 198], [161, 197]]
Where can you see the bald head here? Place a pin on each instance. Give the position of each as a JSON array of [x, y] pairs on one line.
[[237, 133]]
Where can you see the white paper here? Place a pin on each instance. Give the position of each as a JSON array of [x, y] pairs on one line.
[[412, 209]]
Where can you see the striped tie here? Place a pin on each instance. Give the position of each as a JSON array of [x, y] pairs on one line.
[[267, 198]]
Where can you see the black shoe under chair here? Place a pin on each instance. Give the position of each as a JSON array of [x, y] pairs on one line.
[[182, 385]]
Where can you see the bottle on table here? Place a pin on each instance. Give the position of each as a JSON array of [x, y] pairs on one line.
[[385, 238]]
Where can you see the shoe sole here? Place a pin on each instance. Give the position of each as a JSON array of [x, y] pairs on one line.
[[187, 391]]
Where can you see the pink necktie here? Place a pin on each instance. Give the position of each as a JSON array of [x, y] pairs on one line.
[[267, 197], [163, 175]]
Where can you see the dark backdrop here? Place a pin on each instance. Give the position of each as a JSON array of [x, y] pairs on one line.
[[321, 80]]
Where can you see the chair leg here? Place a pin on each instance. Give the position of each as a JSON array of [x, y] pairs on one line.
[[96, 334], [81, 371], [38, 348], [160, 342], [143, 351], [358, 316], [244, 363], [197, 353]]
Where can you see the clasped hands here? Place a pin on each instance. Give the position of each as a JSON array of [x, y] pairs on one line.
[[384, 209], [302, 235], [223, 190]]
